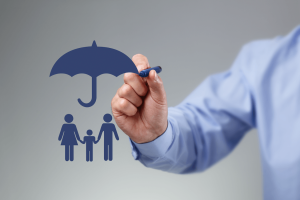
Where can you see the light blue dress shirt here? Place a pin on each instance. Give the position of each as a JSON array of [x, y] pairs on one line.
[[261, 90]]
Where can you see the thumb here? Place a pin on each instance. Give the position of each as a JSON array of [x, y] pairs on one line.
[[156, 87]]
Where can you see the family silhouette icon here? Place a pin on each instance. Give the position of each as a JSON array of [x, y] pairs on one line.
[[69, 136]]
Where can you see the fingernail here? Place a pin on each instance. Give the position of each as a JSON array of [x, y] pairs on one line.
[[141, 67]]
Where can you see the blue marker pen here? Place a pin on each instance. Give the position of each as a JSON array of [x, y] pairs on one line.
[[146, 72]]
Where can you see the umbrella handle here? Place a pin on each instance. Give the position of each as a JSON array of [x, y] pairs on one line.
[[94, 94]]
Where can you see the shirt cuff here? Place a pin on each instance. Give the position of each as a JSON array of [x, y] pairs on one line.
[[156, 148]]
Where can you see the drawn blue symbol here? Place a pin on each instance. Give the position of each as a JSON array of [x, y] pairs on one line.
[[93, 61], [89, 140], [108, 128], [68, 135]]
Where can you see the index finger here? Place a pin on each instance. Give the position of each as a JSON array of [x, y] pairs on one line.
[[141, 62], [134, 80]]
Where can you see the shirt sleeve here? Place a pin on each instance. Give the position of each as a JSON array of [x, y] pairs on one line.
[[206, 126]]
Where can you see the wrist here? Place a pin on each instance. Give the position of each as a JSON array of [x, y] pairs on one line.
[[156, 148], [152, 135]]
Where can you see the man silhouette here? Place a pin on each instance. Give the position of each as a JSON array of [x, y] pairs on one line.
[[108, 128]]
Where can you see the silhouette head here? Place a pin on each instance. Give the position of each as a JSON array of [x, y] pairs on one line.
[[89, 132], [107, 117], [69, 118]]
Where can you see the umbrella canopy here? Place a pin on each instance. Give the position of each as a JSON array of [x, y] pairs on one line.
[[93, 61]]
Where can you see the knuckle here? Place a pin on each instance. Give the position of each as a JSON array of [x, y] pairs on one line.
[[139, 102], [143, 91], [123, 104], [124, 90], [113, 101], [132, 111], [127, 89], [129, 77], [160, 83], [137, 56]]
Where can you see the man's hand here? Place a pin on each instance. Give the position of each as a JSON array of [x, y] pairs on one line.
[[140, 105]]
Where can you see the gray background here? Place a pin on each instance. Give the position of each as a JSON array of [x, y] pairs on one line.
[[189, 39]]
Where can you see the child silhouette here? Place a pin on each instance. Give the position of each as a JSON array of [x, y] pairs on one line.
[[89, 140]]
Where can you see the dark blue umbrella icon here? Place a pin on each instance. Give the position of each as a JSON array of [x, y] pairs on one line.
[[93, 61]]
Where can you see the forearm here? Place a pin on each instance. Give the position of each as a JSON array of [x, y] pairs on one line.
[[60, 135]]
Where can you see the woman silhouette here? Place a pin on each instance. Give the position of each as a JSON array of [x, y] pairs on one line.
[[68, 134]]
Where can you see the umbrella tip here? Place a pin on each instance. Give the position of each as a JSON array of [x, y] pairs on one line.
[[94, 44]]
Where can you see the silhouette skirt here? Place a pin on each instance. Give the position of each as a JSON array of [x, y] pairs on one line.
[[69, 138]]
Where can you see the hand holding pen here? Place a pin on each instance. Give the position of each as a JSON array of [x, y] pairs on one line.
[[140, 105]]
